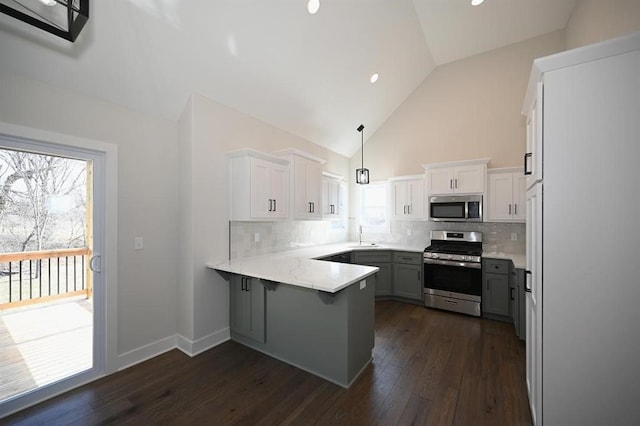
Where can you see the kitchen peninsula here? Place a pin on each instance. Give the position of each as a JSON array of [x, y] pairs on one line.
[[314, 314]]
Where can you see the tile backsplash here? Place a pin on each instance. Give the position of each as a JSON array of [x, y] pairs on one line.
[[281, 235], [287, 235], [496, 236]]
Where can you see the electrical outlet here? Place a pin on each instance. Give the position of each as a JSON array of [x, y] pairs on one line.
[[409, 232], [138, 243], [514, 236], [256, 237]]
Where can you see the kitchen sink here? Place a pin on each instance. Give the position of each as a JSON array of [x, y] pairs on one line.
[[367, 246]]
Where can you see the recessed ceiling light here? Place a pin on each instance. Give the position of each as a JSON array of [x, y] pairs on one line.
[[476, 2], [374, 77], [48, 2], [313, 6]]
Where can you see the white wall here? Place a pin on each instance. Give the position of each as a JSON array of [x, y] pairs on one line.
[[208, 130], [164, 289], [463, 110], [598, 20], [147, 192]]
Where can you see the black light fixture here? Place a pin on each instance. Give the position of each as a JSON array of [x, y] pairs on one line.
[[362, 174], [63, 18]]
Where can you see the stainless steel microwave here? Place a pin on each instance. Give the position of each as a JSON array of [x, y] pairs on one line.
[[458, 208]]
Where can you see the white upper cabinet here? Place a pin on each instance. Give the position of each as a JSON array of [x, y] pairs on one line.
[[306, 184], [259, 186], [506, 195], [331, 197], [463, 177], [407, 195]]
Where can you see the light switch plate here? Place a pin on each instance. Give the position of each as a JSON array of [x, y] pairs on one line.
[[514, 236], [256, 237], [363, 284], [138, 243]]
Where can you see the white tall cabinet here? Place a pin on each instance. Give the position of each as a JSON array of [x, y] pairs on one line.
[[583, 274]]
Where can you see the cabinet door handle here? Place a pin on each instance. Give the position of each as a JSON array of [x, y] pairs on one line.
[[313, 207], [511, 293], [456, 181], [526, 163], [275, 205], [309, 207], [509, 209], [419, 276], [527, 287], [515, 209], [450, 183]]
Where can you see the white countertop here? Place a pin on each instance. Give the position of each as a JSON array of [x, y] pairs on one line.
[[300, 267], [519, 260]]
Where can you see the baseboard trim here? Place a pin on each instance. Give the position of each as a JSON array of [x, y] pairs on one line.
[[195, 347], [177, 341], [143, 353]]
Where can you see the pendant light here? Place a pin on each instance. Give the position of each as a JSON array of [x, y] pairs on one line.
[[362, 174], [63, 18]]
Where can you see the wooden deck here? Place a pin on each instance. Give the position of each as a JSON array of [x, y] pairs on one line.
[[42, 344]]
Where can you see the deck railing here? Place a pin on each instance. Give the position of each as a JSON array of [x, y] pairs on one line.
[[38, 276]]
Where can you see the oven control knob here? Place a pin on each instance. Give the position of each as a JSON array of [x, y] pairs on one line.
[[449, 256], [434, 255]]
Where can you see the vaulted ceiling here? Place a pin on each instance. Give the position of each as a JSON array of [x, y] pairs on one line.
[[306, 74]]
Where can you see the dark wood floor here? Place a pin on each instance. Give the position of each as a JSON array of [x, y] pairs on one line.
[[430, 367]]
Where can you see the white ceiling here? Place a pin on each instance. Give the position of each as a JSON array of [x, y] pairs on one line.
[[307, 74]]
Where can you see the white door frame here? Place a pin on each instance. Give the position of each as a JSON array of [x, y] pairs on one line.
[[104, 157]]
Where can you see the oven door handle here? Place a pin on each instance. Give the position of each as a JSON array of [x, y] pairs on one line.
[[453, 263]]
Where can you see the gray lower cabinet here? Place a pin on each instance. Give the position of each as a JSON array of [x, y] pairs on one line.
[[382, 260], [496, 290], [384, 283], [407, 275], [247, 307], [328, 334]]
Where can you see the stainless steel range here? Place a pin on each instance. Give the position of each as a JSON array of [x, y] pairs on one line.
[[453, 272]]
